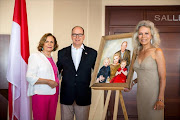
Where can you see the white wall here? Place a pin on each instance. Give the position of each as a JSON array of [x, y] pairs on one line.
[[67, 14], [40, 19], [6, 16]]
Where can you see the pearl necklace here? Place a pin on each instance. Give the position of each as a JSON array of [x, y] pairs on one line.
[[46, 55]]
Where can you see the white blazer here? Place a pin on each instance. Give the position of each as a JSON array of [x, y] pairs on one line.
[[39, 67]]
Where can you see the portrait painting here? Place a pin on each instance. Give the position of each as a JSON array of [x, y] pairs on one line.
[[113, 66]]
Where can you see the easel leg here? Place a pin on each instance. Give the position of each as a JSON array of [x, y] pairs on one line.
[[123, 106], [116, 105], [106, 105]]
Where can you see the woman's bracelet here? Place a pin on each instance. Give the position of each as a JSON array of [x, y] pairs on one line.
[[161, 100]]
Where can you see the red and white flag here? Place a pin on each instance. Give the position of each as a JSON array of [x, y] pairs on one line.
[[19, 102]]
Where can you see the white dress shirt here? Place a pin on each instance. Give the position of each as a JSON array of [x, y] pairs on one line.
[[76, 55]]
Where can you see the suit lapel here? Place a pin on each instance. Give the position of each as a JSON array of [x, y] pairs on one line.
[[69, 58], [124, 56], [120, 54], [83, 57]]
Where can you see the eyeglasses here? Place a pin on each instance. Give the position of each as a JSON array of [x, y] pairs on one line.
[[79, 35]]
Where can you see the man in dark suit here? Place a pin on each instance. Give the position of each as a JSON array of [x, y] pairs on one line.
[[76, 62], [124, 53]]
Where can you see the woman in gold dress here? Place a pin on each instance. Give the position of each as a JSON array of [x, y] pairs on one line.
[[114, 66], [151, 72]]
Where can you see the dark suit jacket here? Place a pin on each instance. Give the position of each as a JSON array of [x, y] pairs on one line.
[[126, 56], [75, 84]]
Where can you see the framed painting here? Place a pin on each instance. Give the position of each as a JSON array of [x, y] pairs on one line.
[[114, 63]]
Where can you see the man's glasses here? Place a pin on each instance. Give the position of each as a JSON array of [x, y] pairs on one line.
[[79, 35]]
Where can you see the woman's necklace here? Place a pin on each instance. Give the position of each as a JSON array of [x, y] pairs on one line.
[[48, 56]]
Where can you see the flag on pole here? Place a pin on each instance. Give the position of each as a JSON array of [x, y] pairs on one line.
[[19, 102]]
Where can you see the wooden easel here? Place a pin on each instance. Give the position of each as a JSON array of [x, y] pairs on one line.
[[118, 95]]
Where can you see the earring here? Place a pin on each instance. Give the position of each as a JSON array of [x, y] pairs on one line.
[[151, 41], [42, 49], [54, 49]]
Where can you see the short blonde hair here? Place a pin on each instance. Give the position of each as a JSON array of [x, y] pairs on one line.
[[107, 59], [43, 39], [154, 32]]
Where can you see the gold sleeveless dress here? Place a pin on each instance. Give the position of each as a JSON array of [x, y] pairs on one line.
[[147, 89], [113, 70]]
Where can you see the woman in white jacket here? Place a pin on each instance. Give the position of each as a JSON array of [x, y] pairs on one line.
[[42, 75]]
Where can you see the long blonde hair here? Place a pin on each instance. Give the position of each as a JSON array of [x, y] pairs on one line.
[[154, 32]]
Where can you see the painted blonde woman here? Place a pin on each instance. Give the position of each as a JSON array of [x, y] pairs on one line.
[[115, 65]]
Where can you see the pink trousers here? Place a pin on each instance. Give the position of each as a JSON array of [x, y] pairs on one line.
[[44, 106]]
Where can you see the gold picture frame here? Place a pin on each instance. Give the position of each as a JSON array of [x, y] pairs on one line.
[[108, 47]]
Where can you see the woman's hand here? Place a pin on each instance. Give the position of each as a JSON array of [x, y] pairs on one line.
[[52, 83], [159, 105], [97, 81], [117, 73], [49, 82], [129, 89], [101, 78]]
